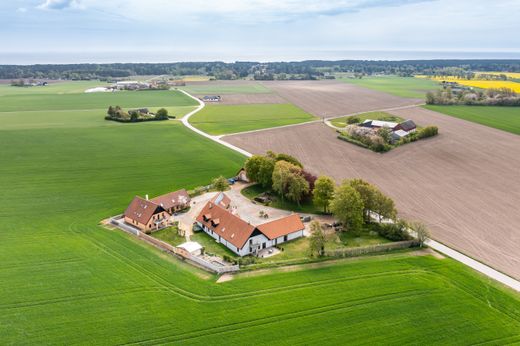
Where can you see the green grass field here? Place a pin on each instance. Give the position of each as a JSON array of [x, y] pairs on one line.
[[502, 118], [218, 88], [408, 87], [342, 122], [223, 119], [66, 280]]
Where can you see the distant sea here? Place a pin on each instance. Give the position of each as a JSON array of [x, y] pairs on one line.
[[26, 58]]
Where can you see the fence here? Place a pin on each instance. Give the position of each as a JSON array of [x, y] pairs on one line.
[[352, 252], [219, 269]]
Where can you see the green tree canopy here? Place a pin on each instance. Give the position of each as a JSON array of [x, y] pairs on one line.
[[220, 183], [347, 207], [316, 239], [323, 192]]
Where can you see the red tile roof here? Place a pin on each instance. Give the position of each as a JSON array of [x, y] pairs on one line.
[[172, 199], [229, 226], [281, 227], [142, 210]]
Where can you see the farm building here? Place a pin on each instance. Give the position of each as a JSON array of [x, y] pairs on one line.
[[240, 236], [376, 124], [408, 126], [212, 98], [222, 200], [242, 175], [145, 214], [173, 201]]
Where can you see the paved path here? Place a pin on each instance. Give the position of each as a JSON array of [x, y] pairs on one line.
[[458, 256], [185, 121]]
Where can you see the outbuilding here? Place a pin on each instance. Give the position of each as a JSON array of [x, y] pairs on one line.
[[190, 247]]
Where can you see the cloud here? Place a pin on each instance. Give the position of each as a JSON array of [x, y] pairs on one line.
[[21, 9], [60, 4]]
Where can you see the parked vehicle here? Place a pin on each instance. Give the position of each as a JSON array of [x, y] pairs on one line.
[[306, 218]]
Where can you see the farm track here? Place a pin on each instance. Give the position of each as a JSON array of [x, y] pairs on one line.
[[324, 309]]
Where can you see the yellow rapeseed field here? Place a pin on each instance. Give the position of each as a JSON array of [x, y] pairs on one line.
[[515, 75], [483, 84]]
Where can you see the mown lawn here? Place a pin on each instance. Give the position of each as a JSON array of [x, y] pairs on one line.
[[305, 206], [170, 235], [225, 119], [342, 122], [66, 280], [408, 87], [502, 118]]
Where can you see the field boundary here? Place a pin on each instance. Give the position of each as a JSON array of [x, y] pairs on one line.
[[452, 253]]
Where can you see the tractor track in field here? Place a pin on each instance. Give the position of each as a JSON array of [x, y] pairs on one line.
[[324, 309]]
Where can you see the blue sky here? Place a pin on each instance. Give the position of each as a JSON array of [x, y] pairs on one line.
[[180, 30]]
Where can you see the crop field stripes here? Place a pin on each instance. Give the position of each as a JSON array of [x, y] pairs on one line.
[[242, 326], [79, 297], [6, 267]]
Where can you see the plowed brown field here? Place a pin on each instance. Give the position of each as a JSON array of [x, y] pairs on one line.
[[333, 98], [464, 183]]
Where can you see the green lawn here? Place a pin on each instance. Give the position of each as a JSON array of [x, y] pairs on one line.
[[68, 87], [305, 207], [342, 122], [224, 119], [170, 235], [408, 87], [211, 246], [66, 280], [502, 118], [219, 88]]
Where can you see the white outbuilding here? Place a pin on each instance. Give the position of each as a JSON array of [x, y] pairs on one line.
[[191, 247]]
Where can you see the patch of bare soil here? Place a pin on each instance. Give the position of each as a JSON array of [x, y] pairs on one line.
[[464, 183], [244, 99], [334, 98], [224, 278]]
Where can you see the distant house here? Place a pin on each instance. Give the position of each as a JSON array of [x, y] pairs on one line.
[[397, 135], [212, 98], [139, 110], [408, 126], [173, 201], [242, 237], [242, 175], [145, 214]]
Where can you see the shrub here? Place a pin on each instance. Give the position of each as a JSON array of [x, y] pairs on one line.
[[428, 131], [393, 231], [353, 120], [162, 114]]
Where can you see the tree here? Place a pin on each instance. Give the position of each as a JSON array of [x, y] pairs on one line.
[[347, 207], [323, 192], [283, 174], [297, 188], [421, 231], [162, 114], [265, 173], [111, 111], [384, 206], [133, 117], [311, 179], [252, 167], [368, 195], [220, 184], [288, 158], [385, 133], [316, 239]]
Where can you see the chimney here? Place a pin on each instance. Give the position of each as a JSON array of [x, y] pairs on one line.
[[146, 196]]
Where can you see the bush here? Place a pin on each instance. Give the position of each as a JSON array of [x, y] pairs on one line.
[[353, 120], [393, 231], [351, 140], [162, 114], [428, 131]]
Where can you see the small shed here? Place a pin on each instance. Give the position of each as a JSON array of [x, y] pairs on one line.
[[242, 175], [190, 247]]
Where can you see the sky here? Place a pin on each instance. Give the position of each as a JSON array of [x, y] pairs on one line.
[[68, 31]]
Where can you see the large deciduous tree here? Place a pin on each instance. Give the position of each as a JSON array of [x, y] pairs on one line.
[[347, 207], [323, 192], [316, 239], [288, 181]]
